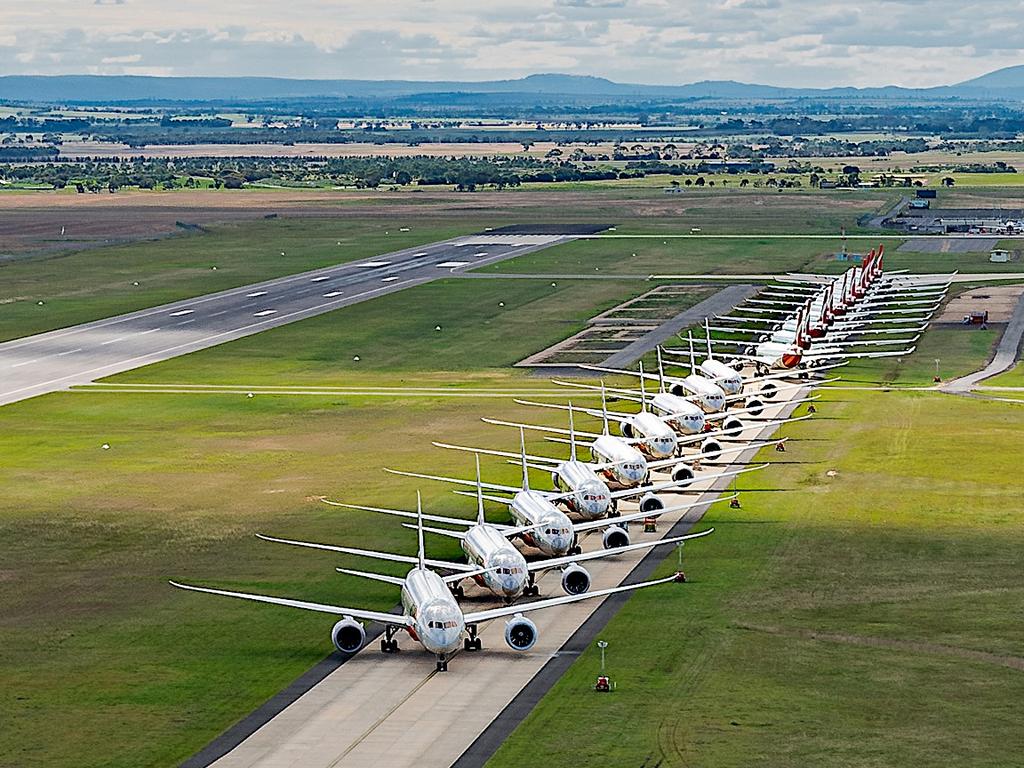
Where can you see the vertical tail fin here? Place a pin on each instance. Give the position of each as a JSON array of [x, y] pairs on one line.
[[693, 356], [479, 493], [643, 389], [661, 372], [572, 435], [419, 532], [707, 336], [522, 454], [604, 410]]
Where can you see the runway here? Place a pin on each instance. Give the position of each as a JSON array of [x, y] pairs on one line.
[[397, 711], [56, 360]]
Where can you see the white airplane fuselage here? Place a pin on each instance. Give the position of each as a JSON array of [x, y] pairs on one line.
[[552, 533], [709, 396], [725, 377], [438, 622], [657, 439], [627, 466], [486, 547], [591, 498], [684, 416]]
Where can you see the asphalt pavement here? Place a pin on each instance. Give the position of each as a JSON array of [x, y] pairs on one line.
[[56, 360]]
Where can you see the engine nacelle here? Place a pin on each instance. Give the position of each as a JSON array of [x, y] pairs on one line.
[[710, 448], [348, 635], [732, 426], [626, 429], [754, 405], [651, 503], [678, 390], [682, 472], [575, 579], [520, 633], [615, 536], [768, 390]]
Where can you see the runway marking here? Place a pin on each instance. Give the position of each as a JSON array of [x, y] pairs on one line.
[[69, 352], [193, 344], [254, 294], [452, 264], [332, 294], [112, 341], [320, 279], [183, 322], [182, 312], [389, 279], [151, 330], [373, 264], [222, 312], [27, 362], [421, 253], [479, 255], [265, 313]]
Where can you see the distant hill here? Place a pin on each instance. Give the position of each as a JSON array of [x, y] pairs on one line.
[[1002, 84]]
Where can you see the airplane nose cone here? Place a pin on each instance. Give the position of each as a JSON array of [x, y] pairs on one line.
[[717, 402]]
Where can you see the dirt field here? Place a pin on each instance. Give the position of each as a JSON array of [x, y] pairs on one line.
[[999, 301]]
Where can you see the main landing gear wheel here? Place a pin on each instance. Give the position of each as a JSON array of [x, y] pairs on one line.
[[459, 592], [389, 644], [531, 590]]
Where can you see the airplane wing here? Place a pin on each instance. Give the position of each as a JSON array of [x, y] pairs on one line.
[[510, 610], [403, 513], [558, 562], [370, 553], [356, 613], [894, 353], [506, 454], [604, 522], [661, 463], [682, 484]]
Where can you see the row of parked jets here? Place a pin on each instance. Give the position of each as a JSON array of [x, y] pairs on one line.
[[798, 329]]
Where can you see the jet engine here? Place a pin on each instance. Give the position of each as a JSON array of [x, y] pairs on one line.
[[768, 390], [520, 633], [710, 448], [615, 536], [754, 405], [682, 472], [651, 503], [348, 635], [626, 429], [732, 426], [575, 579]]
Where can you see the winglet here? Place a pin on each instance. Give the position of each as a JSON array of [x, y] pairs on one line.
[[419, 532]]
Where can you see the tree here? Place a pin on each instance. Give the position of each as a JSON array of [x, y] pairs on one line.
[[948, 181]]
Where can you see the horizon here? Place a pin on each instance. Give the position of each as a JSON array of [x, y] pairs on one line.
[[796, 44]]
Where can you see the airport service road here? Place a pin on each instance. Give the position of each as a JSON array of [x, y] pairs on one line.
[[396, 711], [56, 360]]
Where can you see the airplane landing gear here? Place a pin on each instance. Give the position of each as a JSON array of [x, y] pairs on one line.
[[473, 642], [459, 592], [389, 644], [442, 663], [531, 589]]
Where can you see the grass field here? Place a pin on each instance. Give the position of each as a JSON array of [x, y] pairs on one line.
[[829, 624], [102, 664]]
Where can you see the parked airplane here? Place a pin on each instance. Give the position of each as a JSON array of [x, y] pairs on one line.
[[430, 613]]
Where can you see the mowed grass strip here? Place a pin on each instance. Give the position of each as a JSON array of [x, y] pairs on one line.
[[461, 327], [862, 619]]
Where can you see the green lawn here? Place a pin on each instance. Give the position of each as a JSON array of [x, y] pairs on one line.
[[97, 283], [860, 620]]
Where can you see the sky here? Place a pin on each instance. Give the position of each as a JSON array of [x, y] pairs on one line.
[[810, 43]]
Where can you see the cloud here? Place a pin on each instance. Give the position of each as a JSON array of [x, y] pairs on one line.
[[792, 43]]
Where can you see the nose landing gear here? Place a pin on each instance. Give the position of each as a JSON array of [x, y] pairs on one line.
[[442, 662], [473, 642]]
